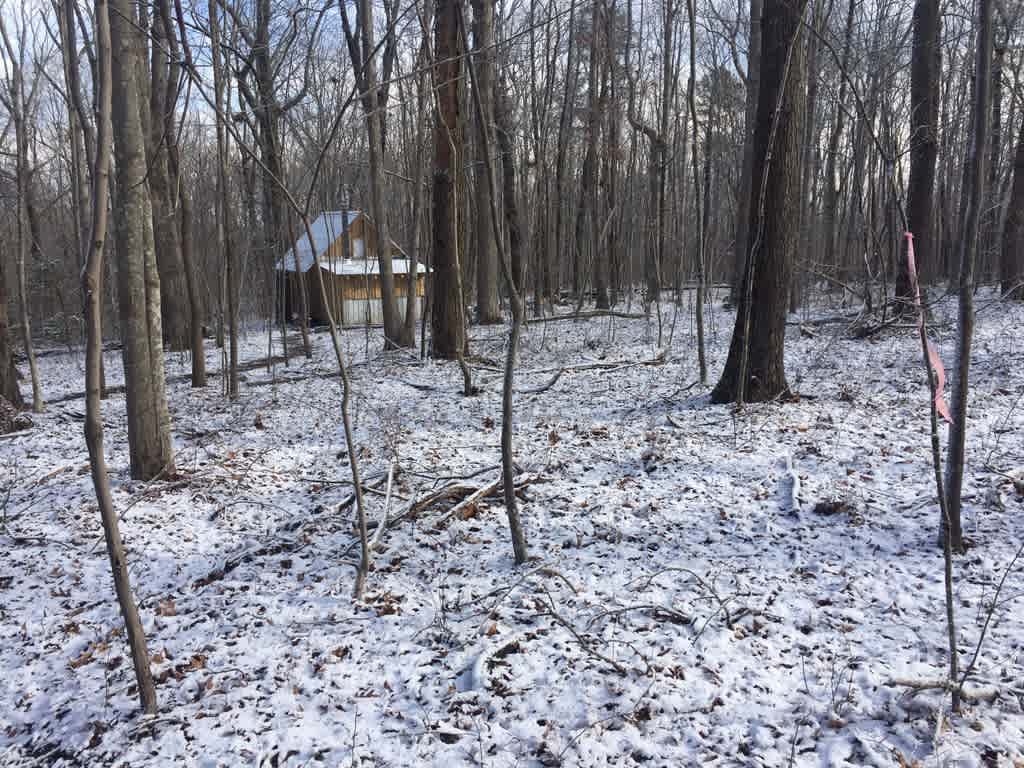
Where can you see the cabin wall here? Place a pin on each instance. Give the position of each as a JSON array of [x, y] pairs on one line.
[[363, 311], [355, 300]]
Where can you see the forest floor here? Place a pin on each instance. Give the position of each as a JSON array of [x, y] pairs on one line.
[[677, 610]]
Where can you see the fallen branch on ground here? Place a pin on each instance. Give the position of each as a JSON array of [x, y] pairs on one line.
[[967, 694], [465, 508]]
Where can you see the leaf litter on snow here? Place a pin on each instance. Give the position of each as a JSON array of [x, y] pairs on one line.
[[706, 588]]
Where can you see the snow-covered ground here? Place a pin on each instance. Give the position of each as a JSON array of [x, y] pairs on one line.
[[676, 611]]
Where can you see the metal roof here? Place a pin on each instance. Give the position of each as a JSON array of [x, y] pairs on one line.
[[328, 227]]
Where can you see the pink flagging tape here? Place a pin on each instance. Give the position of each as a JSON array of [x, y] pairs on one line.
[[933, 354]]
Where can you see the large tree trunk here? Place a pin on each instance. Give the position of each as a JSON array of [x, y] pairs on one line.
[[488, 307], [149, 434], [1011, 273], [446, 318], [925, 68], [92, 290], [755, 368]]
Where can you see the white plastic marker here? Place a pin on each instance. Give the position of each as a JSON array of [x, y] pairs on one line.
[[933, 354]]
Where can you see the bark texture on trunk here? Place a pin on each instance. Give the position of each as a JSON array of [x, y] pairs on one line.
[[488, 306], [92, 290], [446, 317], [755, 368], [925, 68], [747, 185], [149, 434]]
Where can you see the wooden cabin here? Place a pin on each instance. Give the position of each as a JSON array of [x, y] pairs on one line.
[[346, 245]]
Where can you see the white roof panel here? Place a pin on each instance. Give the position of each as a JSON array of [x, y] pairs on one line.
[[354, 267], [328, 227]]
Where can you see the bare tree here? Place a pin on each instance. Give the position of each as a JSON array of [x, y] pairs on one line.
[[1012, 263], [363, 52], [925, 68], [830, 230], [225, 239], [92, 290], [658, 145], [19, 105], [512, 281], [950, 525], [488, 307], [447, 321], [9, 389], [176, 198], [149, 429], [752, 81], [259, 74], [754, 369], [421, 169], [691, 90]]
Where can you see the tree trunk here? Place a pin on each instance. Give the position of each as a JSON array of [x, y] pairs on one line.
[[92, 290], [180, 199], [9, 389], [925, 70], [268, 113], [514, 278], [225, 239], [24, 246], [747, 179], [975, 192], [700, 218], [993, 199], [149, 435], [18, 107], [448, 335], [553, 264], [363, 53], [1011, 273], [586, 211], [754, 370], [488, 307], [166, 233], [422, 89]]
